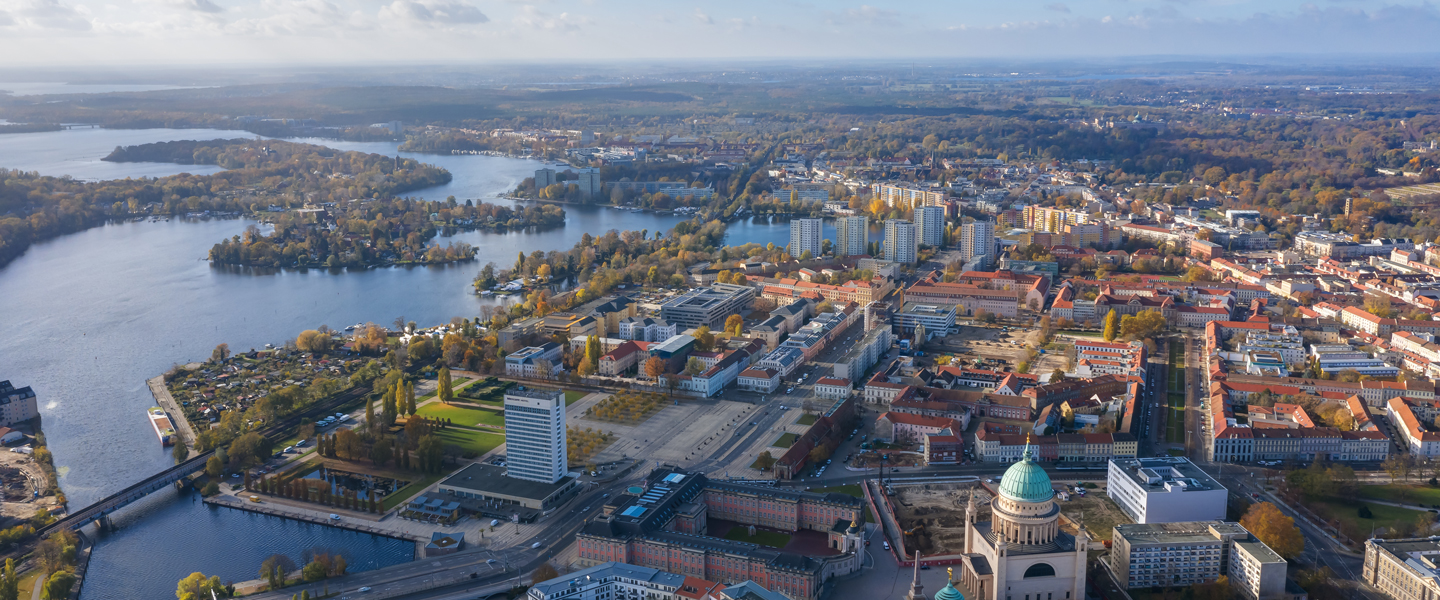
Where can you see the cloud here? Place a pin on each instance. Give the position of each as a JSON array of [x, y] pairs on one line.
[[43, 15], [433, 13], [535, 18], [866, 15], [205, 6], [1058, 7], [703, 18], [299, 17]]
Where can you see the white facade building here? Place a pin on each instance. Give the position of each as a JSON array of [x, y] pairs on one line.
[[806, 234], [535, 448], [852, 236], [977, 239], [901, 245], [930, 225], [1165, 490]]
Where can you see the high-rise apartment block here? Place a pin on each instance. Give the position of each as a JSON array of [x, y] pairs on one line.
[[806, 234], [544, 178], [930, 225], [853, 236], [901, 244], [977, 240], [1053, 220], [535, 448], [589, 181]]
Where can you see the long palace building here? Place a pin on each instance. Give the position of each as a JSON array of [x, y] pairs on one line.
[[665, 526]]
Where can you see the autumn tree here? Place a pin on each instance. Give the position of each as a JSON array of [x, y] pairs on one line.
[[311, 340], [1112, 326], [764, 461], [1145, 324], [1274, 529], [654, 367], [694, 367], [544, 572], [220, 353], [196, 586], [734, 324], [704, 339], [445, 394]]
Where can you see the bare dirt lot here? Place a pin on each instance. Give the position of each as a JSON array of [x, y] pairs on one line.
[[19, 478], [936, 516], [993, 348]]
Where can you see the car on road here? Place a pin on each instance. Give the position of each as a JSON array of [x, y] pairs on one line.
[[364, 589], [886, 545], [334, 517], [535, 545]]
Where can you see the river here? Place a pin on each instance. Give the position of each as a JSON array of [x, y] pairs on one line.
[[89, 316]]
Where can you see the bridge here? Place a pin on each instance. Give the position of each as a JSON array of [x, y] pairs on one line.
[[101, 510]]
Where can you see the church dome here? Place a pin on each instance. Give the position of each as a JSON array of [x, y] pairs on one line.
[[949, 592], [1025, 481]]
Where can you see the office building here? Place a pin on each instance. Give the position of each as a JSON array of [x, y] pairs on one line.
[[589, 181], [1165, 490], [535, 448], [901, 246], [535, 361], [619, 581], [707, 306], [852, 236], [1403, 569], [805, 236], [937, 319], [977, 240], [544, 178], [930, 225], [664, 523], [1189, 553]]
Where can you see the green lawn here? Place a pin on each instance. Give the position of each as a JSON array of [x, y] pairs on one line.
[[404, 494], [1175, 422], [786, 440], [807, 420], [1349, 514], [463, 415], [773, 539], [571, 396], [1403, 494], [475, 442], [849, 490], [1094, 334]]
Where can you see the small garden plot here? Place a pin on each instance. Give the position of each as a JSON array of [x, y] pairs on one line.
[[785, 441], [584, 444]]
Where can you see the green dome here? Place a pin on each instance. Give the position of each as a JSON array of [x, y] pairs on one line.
[[949, 592], [1025, 481]]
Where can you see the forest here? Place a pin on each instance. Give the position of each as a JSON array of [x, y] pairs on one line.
[[261, 174], [376, 232]]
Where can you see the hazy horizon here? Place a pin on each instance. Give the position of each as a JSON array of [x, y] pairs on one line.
[[69, 33]]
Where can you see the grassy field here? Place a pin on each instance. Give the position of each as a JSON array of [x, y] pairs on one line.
[[1403, 494], [807, 420], [470, 441], [462, 415], [787, 440], [1175, 421], [1349, 514], [1090, 334], [404, 494], [773, 539], [571, 396], [849, 490]]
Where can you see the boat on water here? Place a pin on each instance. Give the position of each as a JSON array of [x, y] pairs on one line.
[[164, 428]]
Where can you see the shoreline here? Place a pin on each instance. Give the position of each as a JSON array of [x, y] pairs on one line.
[[164, 400]]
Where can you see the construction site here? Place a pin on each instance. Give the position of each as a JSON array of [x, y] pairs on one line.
[[930, 517]]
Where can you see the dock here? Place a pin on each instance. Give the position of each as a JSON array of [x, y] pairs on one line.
[[229, 501], [172, 408]]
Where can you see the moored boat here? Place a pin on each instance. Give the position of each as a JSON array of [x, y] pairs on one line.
[[164, 428]]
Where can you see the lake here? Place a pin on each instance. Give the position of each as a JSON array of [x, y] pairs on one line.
[[88, 317]]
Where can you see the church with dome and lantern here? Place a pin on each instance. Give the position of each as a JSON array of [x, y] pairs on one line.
[[1021, 553]]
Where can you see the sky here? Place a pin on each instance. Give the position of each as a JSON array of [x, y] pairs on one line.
[[191, 32]]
